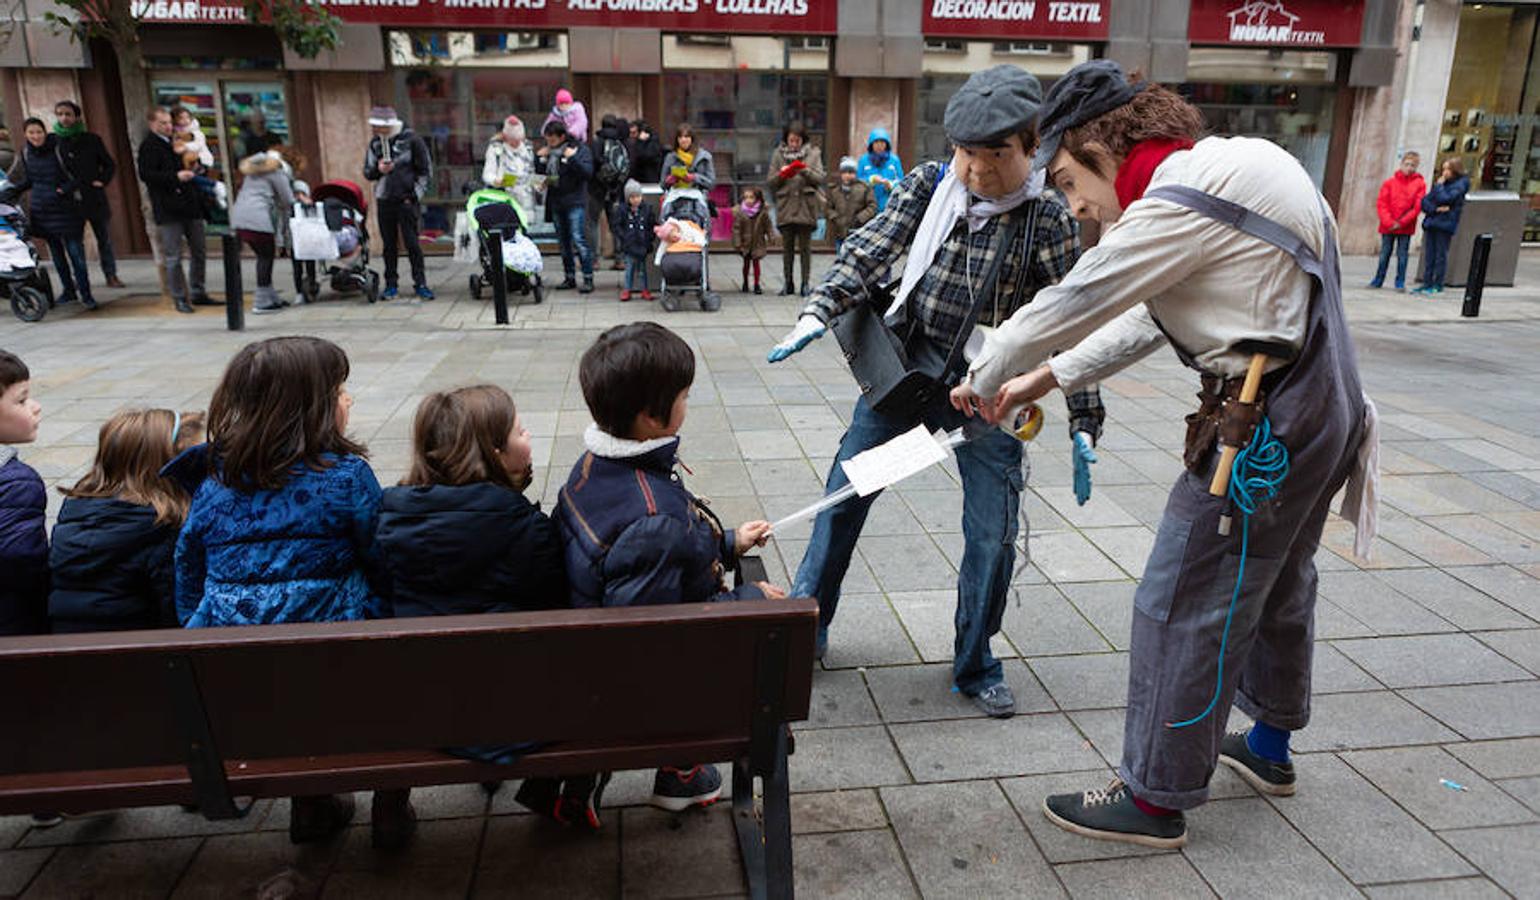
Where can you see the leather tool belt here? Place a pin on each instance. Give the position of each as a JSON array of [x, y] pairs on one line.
[[1221, 418]]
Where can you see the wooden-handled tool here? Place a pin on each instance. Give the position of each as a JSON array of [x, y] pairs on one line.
[[1221, 483]]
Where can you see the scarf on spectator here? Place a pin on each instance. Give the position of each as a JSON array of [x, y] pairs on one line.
[[751, 209], [685, 157], [75, 129], [1139, 167], [791, 155]]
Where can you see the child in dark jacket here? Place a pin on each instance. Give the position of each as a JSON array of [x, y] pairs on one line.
[[115, 540], [633, 534], [23, 508], [752, 233], [633, 221], [282, 529], [458, 535]]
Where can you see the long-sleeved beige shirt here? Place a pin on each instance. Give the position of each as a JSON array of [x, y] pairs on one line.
[[1211, 285]]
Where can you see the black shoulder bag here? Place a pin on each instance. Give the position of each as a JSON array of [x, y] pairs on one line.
[[894, 383]]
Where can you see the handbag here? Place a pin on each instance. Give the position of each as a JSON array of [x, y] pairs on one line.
[[892, 381]]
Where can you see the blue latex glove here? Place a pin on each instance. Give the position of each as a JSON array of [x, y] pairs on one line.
[[1084, 456], [807, 330]]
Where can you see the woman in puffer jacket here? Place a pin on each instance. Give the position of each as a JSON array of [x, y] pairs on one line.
[[264, 201], [57, 214], [1441, 210]]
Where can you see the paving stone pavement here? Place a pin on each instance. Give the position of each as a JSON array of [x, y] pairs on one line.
[[1428, 657]]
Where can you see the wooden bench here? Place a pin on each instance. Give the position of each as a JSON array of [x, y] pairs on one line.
[[112, 720]]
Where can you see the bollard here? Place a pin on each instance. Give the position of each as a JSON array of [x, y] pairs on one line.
[[1476, 280], [235, 304], [494, 241]]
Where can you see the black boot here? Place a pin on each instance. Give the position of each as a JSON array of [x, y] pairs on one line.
[[392, 820], [588, 285], [317, 818]]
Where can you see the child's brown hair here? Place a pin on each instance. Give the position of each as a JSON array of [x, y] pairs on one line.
[[12, 370], [751, 189], [457, 435], [131, 448], [276, 408]]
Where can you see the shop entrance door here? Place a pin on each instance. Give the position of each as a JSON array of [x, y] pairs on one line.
[[237, 118]]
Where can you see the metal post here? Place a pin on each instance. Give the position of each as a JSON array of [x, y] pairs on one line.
[[1476, 281], [235, 304], [494, 241]]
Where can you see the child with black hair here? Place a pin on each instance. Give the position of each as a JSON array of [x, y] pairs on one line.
[[115, 540], [633, 534], [23, 507]]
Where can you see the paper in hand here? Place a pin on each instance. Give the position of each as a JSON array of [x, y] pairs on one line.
[[890, 463]]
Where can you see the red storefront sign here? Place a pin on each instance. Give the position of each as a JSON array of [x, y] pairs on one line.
[[697, 16], [1277, 23], [1050, 20]]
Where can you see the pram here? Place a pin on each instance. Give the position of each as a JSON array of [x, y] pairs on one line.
[[344, 207], [493, 208], [685, 268], [22, 279]]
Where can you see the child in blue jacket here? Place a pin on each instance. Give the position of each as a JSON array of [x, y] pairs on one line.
[[23, 508], [633, 534]]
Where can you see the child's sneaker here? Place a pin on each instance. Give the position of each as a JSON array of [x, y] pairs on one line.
[[580, 799], [679, 789], [222, 195]]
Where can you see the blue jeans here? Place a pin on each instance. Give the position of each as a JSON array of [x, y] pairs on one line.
[[1402, 243], [572, 235], [993, 470], [1435, 256], [73, 275], [636, 273]]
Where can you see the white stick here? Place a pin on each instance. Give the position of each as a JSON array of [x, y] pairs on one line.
[[951, 441]]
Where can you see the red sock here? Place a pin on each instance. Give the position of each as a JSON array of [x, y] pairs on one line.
[[1151, 809]]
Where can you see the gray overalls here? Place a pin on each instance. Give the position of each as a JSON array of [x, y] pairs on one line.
[[1316, 409]]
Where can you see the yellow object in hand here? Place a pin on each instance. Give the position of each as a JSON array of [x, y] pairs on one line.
[[1025, 423]]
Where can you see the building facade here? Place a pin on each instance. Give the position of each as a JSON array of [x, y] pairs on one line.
[[1331, 80]]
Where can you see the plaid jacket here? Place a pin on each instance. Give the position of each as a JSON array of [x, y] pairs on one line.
[[941, 299]]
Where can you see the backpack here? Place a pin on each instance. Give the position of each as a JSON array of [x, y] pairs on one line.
[[614, 164]]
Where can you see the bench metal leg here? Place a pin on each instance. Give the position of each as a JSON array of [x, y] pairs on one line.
[[204, 764], [766, 848]]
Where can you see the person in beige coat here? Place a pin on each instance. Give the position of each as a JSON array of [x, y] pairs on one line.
[[796, 183], [852, 203]]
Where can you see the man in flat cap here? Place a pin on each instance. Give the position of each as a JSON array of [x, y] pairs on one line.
[[1223, 248], [953, 220]]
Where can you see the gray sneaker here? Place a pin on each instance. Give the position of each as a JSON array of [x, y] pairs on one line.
[[996, 701], [1109, 814], [1269, 777], [678, 789]]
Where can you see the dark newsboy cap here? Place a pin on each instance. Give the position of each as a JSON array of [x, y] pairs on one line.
[[992, 105], [1083, 93]]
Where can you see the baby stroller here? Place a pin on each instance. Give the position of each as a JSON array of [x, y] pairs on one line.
[[493, 208], [22, 280], [344, 207], [685, 266]]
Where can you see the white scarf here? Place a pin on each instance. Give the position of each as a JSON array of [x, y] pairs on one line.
[[607, 445], [950, 202]]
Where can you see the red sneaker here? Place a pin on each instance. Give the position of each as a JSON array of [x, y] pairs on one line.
[[646, 295], [624, 296]]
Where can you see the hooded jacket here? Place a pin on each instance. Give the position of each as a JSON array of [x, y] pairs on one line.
[[633, 536], [1450, 194], [112, 567], [299, 553], [56, 209], [472, 548], [265, 196], [870, 166], [1399, 202], [23, 547], [850, 207], [408, 181]]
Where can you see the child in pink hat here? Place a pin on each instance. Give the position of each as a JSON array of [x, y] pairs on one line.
[[571, 113]]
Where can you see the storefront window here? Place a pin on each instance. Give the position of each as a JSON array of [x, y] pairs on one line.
[[256, 117], [1285, 96], [739, 116], [948, 63], [455, 89]]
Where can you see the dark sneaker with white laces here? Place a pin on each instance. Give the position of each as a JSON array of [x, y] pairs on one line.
[[1269, 777], [581, 796], [996, 701], [1109, 814], [679, 789]]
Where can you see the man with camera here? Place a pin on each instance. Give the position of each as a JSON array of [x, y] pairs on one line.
[[982, 237]]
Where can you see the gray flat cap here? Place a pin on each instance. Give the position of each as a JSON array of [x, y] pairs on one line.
[[992, 105], [1083, 93]]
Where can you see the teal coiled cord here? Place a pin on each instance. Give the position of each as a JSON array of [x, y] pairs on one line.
[[1255, 477]]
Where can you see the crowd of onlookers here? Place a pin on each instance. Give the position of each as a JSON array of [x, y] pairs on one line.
[[264, 510]]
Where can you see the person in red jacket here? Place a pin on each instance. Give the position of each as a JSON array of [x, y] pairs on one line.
[[1400, 199]]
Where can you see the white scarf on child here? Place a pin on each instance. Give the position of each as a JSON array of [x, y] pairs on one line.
[[601, 443]]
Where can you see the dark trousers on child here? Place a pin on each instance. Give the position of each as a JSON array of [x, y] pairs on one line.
[[748, 263], [1435, 256], [798, 240]]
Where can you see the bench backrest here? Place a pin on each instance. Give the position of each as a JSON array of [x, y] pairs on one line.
[[117, 700]]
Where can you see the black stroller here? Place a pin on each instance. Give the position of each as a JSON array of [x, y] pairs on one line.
[[686, 269], [23, 280], [493, 209], [345, 208]]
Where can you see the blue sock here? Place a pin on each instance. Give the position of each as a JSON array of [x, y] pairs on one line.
[[1268, 742]]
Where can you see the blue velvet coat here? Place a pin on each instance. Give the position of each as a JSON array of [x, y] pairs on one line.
[[296, 554]]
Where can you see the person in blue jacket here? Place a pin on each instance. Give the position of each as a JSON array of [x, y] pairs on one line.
[[634, 536], [879, 166], [1441, 208], [23, 507]]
